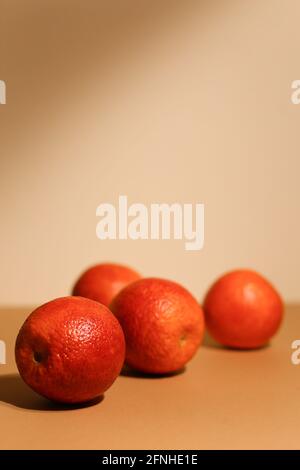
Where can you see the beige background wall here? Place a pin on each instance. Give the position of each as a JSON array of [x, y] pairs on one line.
[[165, 101]]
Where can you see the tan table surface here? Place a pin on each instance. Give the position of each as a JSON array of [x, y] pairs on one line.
[[224, 399]]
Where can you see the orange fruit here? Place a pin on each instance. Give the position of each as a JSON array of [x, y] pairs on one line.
[[70, 350], [103, 281], [162, 322], [242, 310]]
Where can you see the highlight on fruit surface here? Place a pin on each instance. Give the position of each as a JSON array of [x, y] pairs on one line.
[[103, 282], [162, 322], [70, 350], [242, 310]]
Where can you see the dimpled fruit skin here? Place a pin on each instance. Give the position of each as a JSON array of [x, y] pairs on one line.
[[70, 350], [242, 310], [162, 322], [104, 281]]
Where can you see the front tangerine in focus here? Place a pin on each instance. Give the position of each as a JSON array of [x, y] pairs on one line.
[[242, 310], [70, 350]]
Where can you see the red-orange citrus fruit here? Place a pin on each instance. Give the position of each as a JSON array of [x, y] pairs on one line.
[[242, 310], [70, 350], [103, 281], [162, 322]]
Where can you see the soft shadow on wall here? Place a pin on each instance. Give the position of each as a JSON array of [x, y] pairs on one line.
[[49, 51]]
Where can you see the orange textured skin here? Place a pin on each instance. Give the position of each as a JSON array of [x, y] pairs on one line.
[[242, 310], [80, 349], [104, 281], [162, 322]]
